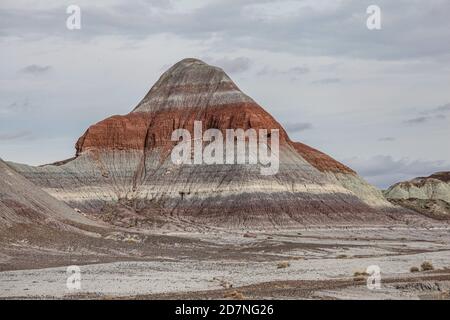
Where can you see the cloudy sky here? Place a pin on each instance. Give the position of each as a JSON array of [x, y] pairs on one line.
[[377, 100]]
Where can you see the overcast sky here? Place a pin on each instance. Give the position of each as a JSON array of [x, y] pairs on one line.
[[377, 100]]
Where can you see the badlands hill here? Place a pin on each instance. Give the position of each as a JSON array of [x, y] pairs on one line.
[[427, 195], [38, 230], [122, 171], [24, 204]]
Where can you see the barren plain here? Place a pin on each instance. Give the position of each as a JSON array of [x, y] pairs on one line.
[[319, 263]]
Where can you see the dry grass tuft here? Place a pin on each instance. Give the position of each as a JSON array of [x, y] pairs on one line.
[[236, 295], [414, 269], [298, 258], [359, 279], [444, 295], [360, 274], [426, 266], [283, 264]]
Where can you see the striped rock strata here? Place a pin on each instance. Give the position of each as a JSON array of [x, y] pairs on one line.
[[427, 195], [123, 167], [24, 204], [436, 187]]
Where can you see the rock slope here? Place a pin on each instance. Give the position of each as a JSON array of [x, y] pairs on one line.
[[24, 204], [123, 171], [435, 187], [427, 195]]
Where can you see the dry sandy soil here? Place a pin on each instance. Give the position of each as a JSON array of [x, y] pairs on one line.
[[294, 264]]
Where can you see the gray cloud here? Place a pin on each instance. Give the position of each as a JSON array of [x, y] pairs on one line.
[[387, 139], [298, 70], [438, 110], [304, 27], [418, 120], [293, 127], [293, 73], [327, 81], [36, 69], [232, 65], [15, 135], [436, 113], [17, 106], [384, 171], [443, 108]]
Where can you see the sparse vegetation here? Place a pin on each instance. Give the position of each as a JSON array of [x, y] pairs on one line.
[[444, 295], [427, 266], [283, 264], [223, 283], [342, 256], [359, 278], [298, 258], [236, 295], [414, 269]]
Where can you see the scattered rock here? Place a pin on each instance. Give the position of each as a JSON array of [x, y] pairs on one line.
[[250, 235], [419, 286]]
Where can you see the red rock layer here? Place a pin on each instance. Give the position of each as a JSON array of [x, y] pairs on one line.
[[191, 90], [116, 132], [320, 160], [145, 130]]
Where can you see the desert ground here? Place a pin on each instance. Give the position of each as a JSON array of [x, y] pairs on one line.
[[308, 263]]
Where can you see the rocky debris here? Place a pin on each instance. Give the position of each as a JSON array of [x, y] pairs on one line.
[[223, 283], [419, 286], [250, 235], [125, 237], [127, 158], [436, 209]]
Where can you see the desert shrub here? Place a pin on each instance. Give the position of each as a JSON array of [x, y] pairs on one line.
[[414, 269], [298, 258], [359, 278], [235, 295], [426, 266], [283, 264]]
